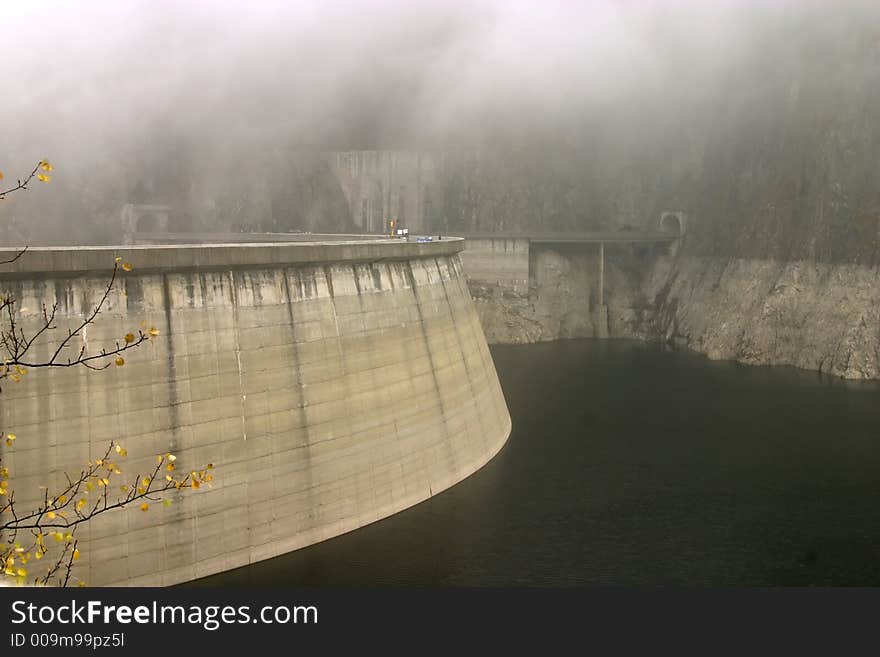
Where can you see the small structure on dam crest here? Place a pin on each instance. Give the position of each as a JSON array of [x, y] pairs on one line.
[[331, 383]]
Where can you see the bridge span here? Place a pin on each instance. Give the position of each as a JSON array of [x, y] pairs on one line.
[[517, 244], [588, 237]]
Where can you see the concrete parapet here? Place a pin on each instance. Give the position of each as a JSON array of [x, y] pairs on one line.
[[170, 257]]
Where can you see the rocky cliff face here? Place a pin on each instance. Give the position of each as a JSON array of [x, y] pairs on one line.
[[813, 315]]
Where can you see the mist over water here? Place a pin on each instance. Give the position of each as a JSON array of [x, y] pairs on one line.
[[585, 112]]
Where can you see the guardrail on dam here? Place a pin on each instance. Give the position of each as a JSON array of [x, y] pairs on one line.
[[332, 384]]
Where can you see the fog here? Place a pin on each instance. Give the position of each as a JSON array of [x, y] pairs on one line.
[[210, 105]]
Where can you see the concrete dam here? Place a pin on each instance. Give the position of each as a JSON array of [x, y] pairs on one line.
[[332, 384]]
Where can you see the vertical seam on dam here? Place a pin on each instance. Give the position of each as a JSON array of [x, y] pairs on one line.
[[467, 368], [237, 348], [173, 399], [412, 282], [173, 412], [301, 402], [329, 278], [477, 332]]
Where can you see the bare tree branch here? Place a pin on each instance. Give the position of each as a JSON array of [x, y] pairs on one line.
[[22, 184], [18, 255], [85, 495]]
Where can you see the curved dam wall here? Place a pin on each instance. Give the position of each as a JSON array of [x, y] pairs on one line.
[[330, 384]]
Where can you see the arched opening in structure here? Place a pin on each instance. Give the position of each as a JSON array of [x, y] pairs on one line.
[[672, 222], [147, 223]]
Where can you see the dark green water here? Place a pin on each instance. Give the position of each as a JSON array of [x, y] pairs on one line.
[[632, 464]]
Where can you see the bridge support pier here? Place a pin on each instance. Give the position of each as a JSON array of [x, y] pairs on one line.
[[600, 313]]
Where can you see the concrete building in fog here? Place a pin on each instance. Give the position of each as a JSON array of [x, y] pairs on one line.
[[384, 185]]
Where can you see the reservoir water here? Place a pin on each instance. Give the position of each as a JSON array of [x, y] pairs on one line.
[[630, 463]]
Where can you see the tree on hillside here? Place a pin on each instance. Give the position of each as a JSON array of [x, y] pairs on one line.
[[45, 532]]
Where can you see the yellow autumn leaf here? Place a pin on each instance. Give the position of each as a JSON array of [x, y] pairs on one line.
[[81, 584], [117, 259], [45, 165], [58, 536], [38, 555], [75, 554], [171, 457], [80, 504], [1, 175], [126, 266], [166, 502], [120, 361], [62, 499], [43, 177], [123, 488], [154, 331], [170, 467], [145, 482], [129, 338], [195, 483], [145, 506], [22, 572], [51, 515]]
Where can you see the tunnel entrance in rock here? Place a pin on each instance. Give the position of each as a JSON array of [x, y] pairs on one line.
[[673, 222]]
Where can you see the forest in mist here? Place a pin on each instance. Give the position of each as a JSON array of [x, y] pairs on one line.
[[759, 119]]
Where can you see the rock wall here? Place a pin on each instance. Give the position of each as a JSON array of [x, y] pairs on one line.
[[817, 316], [331, 385], [814, 315]]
